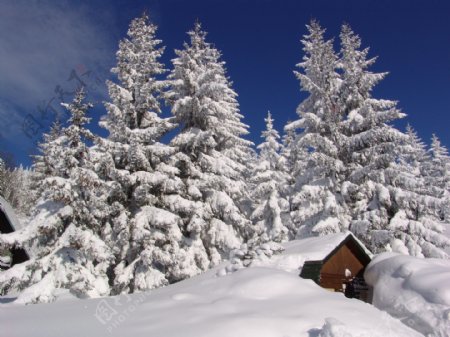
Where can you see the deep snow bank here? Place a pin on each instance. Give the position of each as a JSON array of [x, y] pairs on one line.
[[262, 302], [415, 290]]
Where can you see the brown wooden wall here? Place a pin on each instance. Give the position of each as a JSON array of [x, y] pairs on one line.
[[333, 271]]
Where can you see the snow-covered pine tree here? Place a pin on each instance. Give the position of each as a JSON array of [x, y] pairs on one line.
[[47, 162], [5, 254], [294, 158], [437, 177], [3, 177], [65, 230], [287, 151], [317, 205], [361, 116], [437, 169], [145, 233], [416, 227], [408, 169], [384, 192], [19, 192], [415, 152], [212, 155], [269, 181], [372, 144]]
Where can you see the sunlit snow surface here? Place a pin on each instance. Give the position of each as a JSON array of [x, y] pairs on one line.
[[415, 290], [255, 302]]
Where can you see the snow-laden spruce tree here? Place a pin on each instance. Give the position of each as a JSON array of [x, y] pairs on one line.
[[212, 155], [287, 151], [146, 232], [384, 191], [317, 204], [268, 183], [3, 174], [294, 157], [64, 234], [19, 190], [372, 144], [416, 225], [408, 169], [366, 119], [46, 163], [415, 151], [437, 169], [437, 176]]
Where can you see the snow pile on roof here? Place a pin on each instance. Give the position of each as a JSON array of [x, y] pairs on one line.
[[259, 302], [413, 289], [317, 248], [297, 252], [6, 208]]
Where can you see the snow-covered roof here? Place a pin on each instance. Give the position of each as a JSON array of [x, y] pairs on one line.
[[318, 248], [6, 208]]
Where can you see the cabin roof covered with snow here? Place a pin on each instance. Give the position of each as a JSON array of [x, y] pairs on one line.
[[6, 208], [320, 248], [8, 224]]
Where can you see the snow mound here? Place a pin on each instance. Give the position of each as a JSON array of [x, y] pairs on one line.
[[415, 290], [257, 301], [334, 328]]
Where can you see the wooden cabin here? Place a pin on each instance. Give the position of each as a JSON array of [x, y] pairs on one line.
[[8, 224], [335, 262]]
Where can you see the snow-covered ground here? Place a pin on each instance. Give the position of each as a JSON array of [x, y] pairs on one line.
[[415, 290], [266, 299], [256, 301]]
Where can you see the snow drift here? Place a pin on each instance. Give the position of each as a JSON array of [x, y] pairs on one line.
[[417, 291], [263, 302]]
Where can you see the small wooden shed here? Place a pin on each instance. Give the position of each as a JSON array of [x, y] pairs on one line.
[[8, 224], [335, 262]]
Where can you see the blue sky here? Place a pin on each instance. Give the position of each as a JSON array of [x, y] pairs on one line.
[[47, 47]]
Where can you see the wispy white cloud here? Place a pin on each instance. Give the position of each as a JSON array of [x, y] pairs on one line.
[[41, 42]]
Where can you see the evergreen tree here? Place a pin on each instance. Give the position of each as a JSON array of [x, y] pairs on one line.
[[268, 181], [390, 208], [415, 152], [360, 170], [408, 170], [3, 175], [294, 157], [411, 163], [65, 230], [287, 150], [318, 207], [212, 155], [437, 169], [372, 144], [416, 226], [146, 233], [437, 178], [19, 192], [46, 163]]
